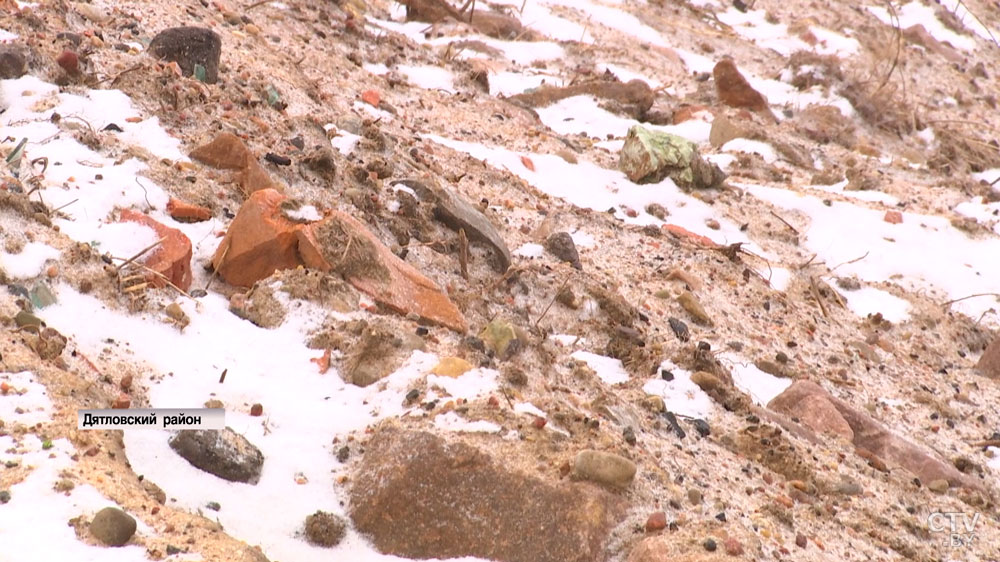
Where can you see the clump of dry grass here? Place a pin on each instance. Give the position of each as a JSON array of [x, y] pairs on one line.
[[959, 150], [883, 107], [810, 69]]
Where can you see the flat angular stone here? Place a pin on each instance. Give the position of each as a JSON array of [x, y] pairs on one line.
[[418, 496], [172, 258], [259, 241], [373, 269]]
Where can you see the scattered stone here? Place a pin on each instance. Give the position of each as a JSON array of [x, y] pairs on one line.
[[694, 496], [650, 156], [257, 410], [171, 259], [502, 338], [654, 404], [457, 214], [342, 244], [451, 367], [690, 303], [13, 63], [228, 152], [800, 540], [187, 212], [679, 328], [821, 412], [893, 217], [405, 493], [4, 496], [190, 47], [989, 364], [707, 381], [224, 453], [656, 522], [604, 468], [938, 486], [710, 545], [47, 343], [724, 130], [733, 546], [113, 526], [69, 61], [325, 529], [561, 245], [734, 90]]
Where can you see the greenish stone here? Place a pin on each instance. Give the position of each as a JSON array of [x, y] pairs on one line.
[[650, 156]]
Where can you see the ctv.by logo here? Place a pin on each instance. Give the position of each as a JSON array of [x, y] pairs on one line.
[[959, 527]]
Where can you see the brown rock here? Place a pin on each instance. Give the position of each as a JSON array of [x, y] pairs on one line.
[[812, 409], [260, 241], [734, 90], [172, 258], [187, 212], [417, 496], [989, 363], [228, 152], [656, 522], [340, 243], [732, 546], [893, 217], [870, 436]]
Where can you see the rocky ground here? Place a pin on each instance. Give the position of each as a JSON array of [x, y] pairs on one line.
[[540, 280]]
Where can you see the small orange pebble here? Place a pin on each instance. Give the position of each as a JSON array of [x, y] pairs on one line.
[[133, 119], [371, 97], [681, 232], [893, 217]]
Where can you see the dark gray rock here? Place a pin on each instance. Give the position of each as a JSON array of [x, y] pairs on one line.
[[561, 245], [112, 526], [188, 46], [13, 63], [225, 453]]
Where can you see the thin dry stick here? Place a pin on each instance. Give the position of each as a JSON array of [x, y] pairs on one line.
[[775, 215], [554, 297], [140, 254], [463, 253], [855, 260], [816, 295], [169, 283], [61, 207], [215, 271], [951, 302]]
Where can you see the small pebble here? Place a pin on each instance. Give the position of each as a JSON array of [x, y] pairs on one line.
[[733, 547], [694, 496], [710, 545], [69, 61], [656, 522], [800, 540], [256, 410]]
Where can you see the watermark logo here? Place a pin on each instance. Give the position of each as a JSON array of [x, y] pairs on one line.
[[958, 528]]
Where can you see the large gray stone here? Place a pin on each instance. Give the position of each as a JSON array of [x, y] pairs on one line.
[[224, 453]]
